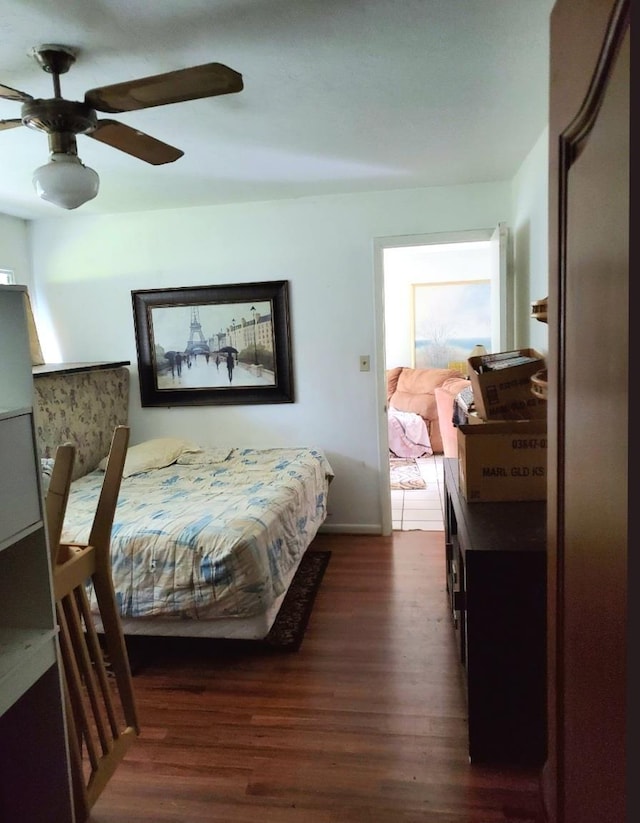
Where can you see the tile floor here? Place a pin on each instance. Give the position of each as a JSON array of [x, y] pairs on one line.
[[420, 509]]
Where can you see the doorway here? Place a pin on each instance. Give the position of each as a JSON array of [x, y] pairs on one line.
[[404, 263]]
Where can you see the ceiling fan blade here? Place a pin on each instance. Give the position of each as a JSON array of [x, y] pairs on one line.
[[13, 94], [194, 83], [10, 124], [135, 142]]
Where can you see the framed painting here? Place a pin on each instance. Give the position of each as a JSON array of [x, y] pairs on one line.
[[214, 345], [449, 319]]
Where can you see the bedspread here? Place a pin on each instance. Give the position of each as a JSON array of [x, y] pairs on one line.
[[210, 539]]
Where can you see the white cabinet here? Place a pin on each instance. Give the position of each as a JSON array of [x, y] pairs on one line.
[[34, 770]]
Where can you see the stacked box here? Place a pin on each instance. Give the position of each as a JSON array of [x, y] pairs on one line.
[[503, 460], [501, 385], [502, 450]]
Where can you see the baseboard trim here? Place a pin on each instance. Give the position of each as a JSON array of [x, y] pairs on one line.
[[351, 528]]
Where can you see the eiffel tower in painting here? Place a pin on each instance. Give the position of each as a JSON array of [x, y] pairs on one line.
[[197, 343]]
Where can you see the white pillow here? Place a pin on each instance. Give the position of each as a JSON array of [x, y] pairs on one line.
[[46, 468], [204, 457], [153, 454]]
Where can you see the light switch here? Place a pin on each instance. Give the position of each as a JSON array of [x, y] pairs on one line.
[[364, 362]]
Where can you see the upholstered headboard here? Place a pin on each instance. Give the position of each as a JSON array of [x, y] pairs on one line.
[[80, 404]]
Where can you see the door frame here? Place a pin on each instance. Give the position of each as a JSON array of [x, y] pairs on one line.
[[401, 241]]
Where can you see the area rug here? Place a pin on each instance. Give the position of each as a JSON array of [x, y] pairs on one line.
[[405, 474], [291, 623], [286, 634]]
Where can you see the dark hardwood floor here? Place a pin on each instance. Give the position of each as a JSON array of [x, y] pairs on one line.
[[364, 724]]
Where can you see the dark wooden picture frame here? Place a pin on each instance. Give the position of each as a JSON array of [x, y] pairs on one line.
[[214, 345]]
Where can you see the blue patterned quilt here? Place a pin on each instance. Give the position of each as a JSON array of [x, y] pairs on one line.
[[210, 539]]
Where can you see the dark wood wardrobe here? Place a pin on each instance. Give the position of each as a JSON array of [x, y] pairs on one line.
[[584, 779]]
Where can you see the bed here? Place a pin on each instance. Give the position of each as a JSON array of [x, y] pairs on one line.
[[205, 541]]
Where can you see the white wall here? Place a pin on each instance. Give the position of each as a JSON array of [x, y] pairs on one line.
[[529, 223], [85, 268]]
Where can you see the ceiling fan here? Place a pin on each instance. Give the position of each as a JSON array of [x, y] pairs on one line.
[[65, 180]]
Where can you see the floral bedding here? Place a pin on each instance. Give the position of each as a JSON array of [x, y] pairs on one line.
[[210, 538]]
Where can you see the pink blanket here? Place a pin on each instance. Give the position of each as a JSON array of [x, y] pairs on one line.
[[408, 435]]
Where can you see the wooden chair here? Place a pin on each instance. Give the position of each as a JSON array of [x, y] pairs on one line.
[[57, 496], [101, 711]]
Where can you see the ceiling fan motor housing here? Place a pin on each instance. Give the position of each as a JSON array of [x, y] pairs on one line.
[[58, 115]]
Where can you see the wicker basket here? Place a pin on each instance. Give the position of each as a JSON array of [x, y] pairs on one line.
[[539, 309], [539, 384]]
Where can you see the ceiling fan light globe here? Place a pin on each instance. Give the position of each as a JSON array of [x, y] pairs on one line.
[[65, 181]]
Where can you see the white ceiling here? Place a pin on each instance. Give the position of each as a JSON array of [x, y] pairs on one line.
[[339, 95]]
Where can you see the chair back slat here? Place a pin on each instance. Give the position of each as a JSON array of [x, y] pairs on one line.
[[57, 496]]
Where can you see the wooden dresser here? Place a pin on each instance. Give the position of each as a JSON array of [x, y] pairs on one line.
[[496, 581]]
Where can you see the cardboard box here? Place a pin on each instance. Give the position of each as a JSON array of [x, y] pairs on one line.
[[503, 460], [505, 393]]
